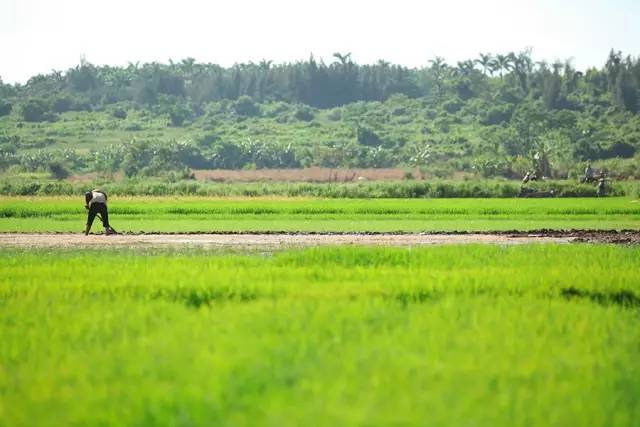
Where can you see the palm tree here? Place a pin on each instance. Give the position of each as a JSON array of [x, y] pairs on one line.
[[342, 59], [571, 76], [265, 65], [522, 66], [438, 70], [465, 68], [557, 66], [503, 63], [133, 66], [55, 74], [485, 62], [187, 67]]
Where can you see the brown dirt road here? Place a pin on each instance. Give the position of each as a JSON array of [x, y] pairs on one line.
[[282, 240]]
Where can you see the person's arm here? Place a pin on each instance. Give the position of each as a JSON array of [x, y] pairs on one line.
[[87, 200]]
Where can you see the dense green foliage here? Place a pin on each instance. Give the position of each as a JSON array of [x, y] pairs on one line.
[[322, 85], [197, 214], [520, 336], [497, 116]]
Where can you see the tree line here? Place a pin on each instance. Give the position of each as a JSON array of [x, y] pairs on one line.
[[323, 85], [497, 115]]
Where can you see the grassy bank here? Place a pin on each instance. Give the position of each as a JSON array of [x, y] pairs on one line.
[[379, 189]]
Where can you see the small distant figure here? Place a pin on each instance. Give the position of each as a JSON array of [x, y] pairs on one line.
[[601, 187], [96, 204], [526, 178], [588, 173]]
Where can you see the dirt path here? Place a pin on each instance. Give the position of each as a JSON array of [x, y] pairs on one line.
[[283, 240], [258, 240]]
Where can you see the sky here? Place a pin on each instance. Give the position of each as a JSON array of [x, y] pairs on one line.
[[38, 36]]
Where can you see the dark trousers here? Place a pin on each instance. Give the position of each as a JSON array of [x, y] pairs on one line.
[[98, 208]]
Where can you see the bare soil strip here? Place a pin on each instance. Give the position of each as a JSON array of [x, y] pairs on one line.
[[285, 240], [260, 240]]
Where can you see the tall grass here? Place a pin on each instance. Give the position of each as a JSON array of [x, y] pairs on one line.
[[380, 189], [517, 336]]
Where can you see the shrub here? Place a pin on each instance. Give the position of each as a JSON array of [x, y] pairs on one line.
[[335, 115], [245, 106], [133, 127], [443, 124], [5, 107], [496, 115], [367, 137], [177, 117], [178, 114], [396, 189], [452, 106], [35, 110], [620, 149], [62, 104], [276, 109], [58, 170], [304, 113], [119, 113]]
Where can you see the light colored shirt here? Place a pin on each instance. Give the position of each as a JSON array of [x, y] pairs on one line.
[[97, 197]]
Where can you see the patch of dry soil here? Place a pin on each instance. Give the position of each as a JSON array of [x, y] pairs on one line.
[[259, 240], [285, 240]]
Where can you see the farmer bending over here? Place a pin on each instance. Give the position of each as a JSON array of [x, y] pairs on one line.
[[96, 203]]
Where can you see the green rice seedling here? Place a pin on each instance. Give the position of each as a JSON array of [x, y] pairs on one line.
[[195, 214], [537, 335]]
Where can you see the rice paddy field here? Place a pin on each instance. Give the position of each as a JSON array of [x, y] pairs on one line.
[[198, 214], [538, 334], [535, 335]]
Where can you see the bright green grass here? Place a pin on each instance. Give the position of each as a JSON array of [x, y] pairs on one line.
[[272, 214], [536, 335]]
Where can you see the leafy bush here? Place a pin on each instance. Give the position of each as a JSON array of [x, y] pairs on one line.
[[133, 127], [379, 189], [491, 167], [335, 115], [496, 115], [366, 136], [245, 106], [5, 107], [452, 106], [275, 109], [35, 110], [62, 103], [37, 160], [620, 149], [304, 113], [58, 170], [177, 116], [119, 113]]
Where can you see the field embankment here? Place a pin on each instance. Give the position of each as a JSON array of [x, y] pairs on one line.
[[407, 189]]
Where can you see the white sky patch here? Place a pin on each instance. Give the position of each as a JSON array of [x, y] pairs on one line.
[[37, 36]]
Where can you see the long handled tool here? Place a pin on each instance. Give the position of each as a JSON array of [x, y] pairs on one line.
[[101, 220]]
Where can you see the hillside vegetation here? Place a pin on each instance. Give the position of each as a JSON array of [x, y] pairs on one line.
[[496, 115]]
